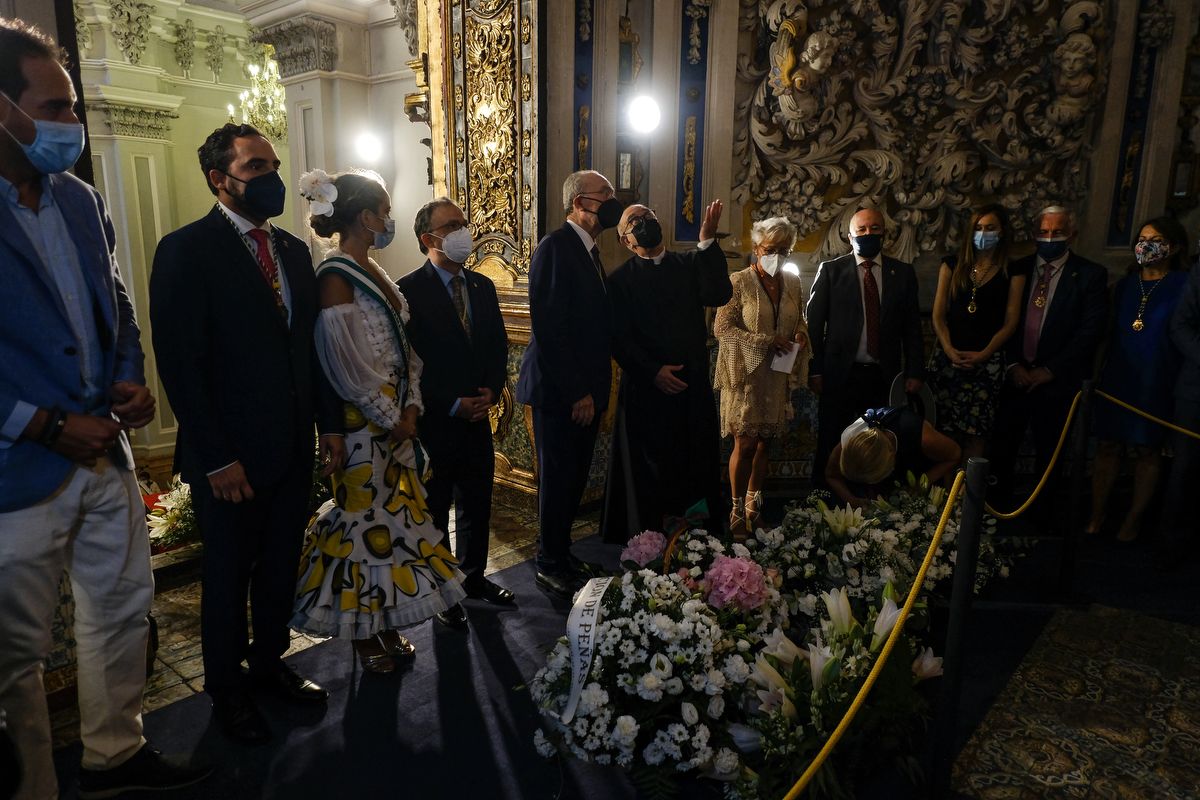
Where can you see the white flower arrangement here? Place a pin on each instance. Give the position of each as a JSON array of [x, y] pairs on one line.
[[173, 519], [317, 187], [738, 661]]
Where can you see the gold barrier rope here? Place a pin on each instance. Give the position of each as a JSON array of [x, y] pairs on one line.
[[869, 683], [913, 591], [1062, 438]]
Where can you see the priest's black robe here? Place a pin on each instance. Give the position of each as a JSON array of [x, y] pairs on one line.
[[665, 454]]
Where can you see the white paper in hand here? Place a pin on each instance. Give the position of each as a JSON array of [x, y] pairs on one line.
[[785, 362]]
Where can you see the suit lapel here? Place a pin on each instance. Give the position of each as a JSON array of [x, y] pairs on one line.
[[84, 236], [442, 301], [852, 292], [13, 233], [1063, 296], [242, 263]]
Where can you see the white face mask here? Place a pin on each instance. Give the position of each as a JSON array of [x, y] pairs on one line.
[[457, 245], [769, 263]]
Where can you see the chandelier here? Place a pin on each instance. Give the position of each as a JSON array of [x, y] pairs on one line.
[[263, 104]]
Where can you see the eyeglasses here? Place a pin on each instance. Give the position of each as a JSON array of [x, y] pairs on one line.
[[640, 218], [455, 225]]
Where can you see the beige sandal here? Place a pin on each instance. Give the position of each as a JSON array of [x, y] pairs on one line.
[[737, 520], [753, 510]]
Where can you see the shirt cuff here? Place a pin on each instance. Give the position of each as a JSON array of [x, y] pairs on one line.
[[221, 469], [16, 423], [454, 408], [705, 244]]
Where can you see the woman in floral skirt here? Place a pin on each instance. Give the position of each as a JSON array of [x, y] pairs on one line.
[[976, 310], [373, 561]]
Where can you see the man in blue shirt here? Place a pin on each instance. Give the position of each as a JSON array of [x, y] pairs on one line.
[[71, 385]]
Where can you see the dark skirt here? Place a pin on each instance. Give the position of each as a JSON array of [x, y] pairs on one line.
[[966, 398]]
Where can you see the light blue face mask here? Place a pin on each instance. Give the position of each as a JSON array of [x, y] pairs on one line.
[[384, 237], [986, 240], [56, 146]]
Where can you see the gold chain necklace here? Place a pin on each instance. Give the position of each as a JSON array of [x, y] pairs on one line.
[[972, 307], [1137, 319]]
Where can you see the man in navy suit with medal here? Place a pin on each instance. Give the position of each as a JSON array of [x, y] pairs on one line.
[[456, 328], [233, 302]]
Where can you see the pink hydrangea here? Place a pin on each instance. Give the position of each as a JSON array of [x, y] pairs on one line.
[[644, 548], [735, 581]]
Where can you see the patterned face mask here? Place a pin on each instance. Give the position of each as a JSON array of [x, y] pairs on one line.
[[1150, 252]]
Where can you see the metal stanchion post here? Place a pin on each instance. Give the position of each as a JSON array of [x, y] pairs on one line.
[[969, 529], [1078, 511]]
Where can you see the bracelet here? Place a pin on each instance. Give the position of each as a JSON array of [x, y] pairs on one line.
[[53, 427]]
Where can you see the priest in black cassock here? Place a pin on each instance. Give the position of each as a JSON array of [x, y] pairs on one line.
[[665, 454]]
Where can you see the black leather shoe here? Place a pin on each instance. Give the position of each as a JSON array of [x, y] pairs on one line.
[[586, 569], [290, 686], [489, 592], [454, 617], [146, 770], [239, 718], [558, 584]]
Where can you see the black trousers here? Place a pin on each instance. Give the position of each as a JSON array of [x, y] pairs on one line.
[[865, 387], [564, 458], [1044, 410], [463, 464], [251, 549], [1179, 520]]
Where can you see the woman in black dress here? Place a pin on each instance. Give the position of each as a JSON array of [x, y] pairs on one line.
[[976, 310]]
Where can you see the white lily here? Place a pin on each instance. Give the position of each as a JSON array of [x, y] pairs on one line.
[[818, 656], [783, 648], [884, 623], [926, 665], [776, 700], [837, 601], [843, 519], [765, 675]]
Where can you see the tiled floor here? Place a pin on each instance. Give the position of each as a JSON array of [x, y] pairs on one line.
[[178, 670]]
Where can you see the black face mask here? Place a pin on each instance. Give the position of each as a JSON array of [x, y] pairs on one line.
[[608, 212], [263, 195], [647, 232]]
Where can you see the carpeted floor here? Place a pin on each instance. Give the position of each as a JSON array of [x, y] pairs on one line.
[[1105, 705], [458, 723]]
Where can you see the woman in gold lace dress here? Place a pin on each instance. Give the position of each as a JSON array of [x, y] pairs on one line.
[[762, 324]]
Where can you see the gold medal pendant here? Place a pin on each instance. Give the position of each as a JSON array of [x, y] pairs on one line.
[[1138, 324], [1040, 302], [971, 307]]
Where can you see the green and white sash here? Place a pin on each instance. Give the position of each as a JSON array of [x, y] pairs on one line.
[[361, 279]]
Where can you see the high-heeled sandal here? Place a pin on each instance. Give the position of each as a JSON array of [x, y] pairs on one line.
[[753, 510], [737, 520], [378, 661], [396, 644]]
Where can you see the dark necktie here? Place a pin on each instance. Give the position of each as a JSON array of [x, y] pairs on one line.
[[871, 309], [1033, 317], [599, 265], [266, 265], [458, 294]]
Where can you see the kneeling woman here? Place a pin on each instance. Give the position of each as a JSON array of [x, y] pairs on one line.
[[882, 445], [373, 561]]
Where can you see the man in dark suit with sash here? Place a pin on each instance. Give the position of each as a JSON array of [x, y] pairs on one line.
[[566, 373], [233, 302], [456, 328], [1063, 316], [865, 323]]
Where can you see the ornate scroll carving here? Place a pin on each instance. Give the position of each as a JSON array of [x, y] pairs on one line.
[[83, 31], [583, 143], [688, 210], [841, 104], [583, 17], [129, 120], [131, 27], [492, 125], [214, 51], [406, 15], [302, 45], [185, 46], [696, 11]]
